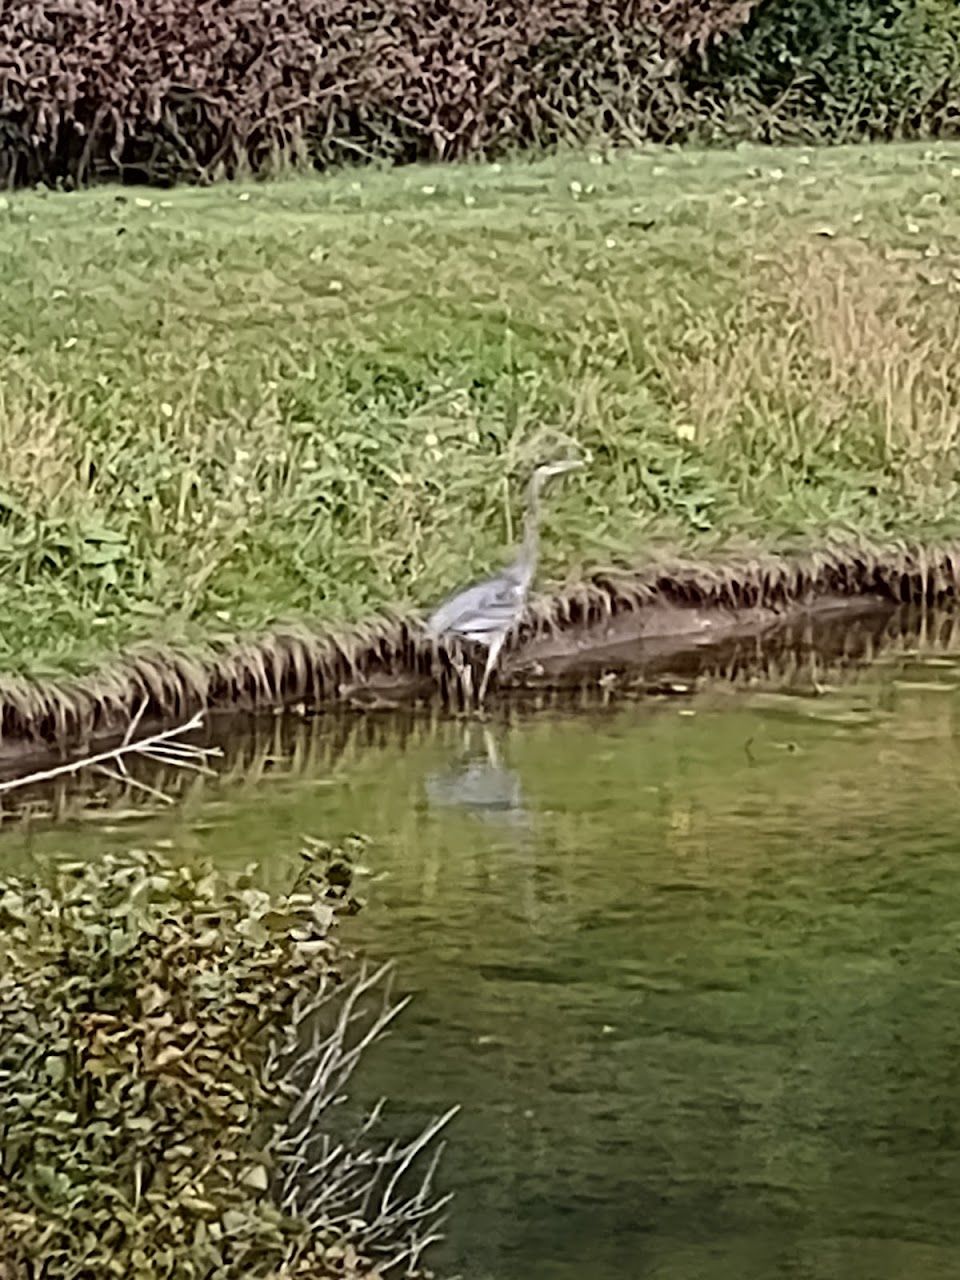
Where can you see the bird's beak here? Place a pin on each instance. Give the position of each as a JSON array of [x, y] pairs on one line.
[[550, 469]]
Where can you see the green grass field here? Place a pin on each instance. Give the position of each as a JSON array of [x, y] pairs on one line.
[[223, 408]]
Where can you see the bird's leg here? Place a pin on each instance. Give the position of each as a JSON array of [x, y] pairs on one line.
[[492, 654], [466, 682], [461, 666]]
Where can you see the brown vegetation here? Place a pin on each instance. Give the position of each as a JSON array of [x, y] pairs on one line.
[[179, 89]]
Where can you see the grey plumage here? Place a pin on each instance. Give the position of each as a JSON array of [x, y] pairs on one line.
[[486, 612], [480, 612]]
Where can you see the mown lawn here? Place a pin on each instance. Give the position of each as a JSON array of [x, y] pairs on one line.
[[221, 408]]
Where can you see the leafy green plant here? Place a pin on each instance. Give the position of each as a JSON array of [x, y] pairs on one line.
[[171, 1041], [837, 70]]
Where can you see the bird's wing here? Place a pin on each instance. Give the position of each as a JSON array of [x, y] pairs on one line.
[[479, 611]]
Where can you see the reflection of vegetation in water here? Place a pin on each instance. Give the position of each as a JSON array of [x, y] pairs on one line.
[[723, 1035], [699, 1004], [172, 1043]]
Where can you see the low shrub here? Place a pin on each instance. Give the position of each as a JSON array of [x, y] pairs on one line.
[[170, 1041]]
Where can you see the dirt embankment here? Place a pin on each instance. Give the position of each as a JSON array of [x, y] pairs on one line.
[[613, 620]]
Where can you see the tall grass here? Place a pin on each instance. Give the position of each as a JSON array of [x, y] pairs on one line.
[[219, 408]]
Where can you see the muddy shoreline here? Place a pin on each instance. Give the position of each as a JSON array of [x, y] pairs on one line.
[[563, 660], [614, 622], [804, 656]]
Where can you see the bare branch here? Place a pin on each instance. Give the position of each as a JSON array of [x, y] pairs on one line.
[[124, 778], [132, 726], [162, 746], [376, 1198]]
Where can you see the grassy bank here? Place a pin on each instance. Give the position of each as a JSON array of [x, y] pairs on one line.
[[220, 408]]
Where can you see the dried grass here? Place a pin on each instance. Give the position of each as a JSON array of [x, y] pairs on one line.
[[40, 450], [844, 331]]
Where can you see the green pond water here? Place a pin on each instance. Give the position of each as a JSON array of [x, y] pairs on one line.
[[690, 964]]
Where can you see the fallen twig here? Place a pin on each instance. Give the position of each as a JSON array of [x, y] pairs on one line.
[[377, 1195], [162, 747]]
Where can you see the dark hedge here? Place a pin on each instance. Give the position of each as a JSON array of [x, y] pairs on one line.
[[165, 91], [168, 90]]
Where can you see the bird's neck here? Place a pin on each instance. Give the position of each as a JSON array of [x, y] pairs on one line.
[[530, 547]]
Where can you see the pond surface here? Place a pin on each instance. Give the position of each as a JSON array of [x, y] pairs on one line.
[[691, 964]]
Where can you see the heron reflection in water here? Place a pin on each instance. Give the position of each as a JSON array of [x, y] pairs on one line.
[[486, 612], [481, 785]]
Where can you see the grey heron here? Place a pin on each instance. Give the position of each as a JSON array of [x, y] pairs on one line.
[[486, 612]]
